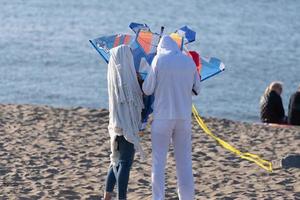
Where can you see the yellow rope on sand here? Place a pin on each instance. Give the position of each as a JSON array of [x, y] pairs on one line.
[[248, 156]]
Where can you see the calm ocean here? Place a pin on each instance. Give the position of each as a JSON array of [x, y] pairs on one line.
[[46, 58]]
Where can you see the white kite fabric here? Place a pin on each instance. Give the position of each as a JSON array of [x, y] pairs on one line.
[[125, 100]]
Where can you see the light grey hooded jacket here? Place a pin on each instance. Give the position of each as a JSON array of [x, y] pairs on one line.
[[172, 77]]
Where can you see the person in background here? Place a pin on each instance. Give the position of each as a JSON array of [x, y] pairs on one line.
[[294, 108], [125, 107], [271, 107], [172, 78]]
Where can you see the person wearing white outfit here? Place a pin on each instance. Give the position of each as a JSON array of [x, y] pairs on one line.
[[172, 79]]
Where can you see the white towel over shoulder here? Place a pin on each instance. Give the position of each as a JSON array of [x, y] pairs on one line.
[[125, 99]]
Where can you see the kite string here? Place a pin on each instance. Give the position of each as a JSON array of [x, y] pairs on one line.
[[248, 156]]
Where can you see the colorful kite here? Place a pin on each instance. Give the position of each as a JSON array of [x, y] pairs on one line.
[[143, 43]]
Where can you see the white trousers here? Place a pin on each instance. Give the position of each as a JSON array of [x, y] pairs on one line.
[[162, 133]]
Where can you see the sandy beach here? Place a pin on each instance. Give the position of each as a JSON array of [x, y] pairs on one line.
[[54, 153]]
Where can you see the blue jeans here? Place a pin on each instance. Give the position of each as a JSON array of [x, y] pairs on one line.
[[126, 150]]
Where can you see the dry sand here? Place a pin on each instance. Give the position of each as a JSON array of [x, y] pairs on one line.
[[52, 153]]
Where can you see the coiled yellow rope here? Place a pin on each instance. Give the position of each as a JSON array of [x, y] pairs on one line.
[[248, 156]]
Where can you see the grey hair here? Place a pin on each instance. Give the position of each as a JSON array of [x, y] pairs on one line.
[[273, 86]]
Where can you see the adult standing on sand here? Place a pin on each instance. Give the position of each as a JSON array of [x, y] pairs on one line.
[[172, 78], [294, 108], [271, 107], [125, 107]]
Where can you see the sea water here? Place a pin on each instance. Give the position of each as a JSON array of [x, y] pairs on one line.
[[46, 57]]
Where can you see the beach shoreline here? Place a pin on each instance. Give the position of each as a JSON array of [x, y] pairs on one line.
[[59, 153]]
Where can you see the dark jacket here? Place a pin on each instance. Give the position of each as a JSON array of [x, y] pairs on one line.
[[294, 109], [271, 109]]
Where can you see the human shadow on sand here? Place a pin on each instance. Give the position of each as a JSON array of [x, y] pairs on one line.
[[291, 161]]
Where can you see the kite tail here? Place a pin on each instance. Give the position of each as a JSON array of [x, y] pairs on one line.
[[248, 156]]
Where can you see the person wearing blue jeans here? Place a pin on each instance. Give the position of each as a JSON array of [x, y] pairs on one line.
[[120, 173], [125, 102]]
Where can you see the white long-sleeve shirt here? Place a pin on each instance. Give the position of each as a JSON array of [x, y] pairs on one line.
[[172, 78]]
